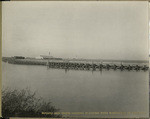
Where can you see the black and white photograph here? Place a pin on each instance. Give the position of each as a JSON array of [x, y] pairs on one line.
[[75, 59]]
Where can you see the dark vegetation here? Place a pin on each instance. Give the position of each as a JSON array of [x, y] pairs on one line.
[[24, 103]]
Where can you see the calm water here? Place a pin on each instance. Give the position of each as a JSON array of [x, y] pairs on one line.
[[82, 91]]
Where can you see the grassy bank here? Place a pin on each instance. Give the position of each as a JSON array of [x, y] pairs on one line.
[[25, 103]]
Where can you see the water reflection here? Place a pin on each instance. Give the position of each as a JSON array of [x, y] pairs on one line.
[[82, 90]]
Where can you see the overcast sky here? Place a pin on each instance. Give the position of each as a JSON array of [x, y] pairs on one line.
[[104, 30]]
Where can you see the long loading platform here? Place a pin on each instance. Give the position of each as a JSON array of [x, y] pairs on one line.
[[80, 65], [94, 66]]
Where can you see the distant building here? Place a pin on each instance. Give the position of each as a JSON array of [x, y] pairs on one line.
[[50, 57], [19, 57], [39, 57], [46, 57]]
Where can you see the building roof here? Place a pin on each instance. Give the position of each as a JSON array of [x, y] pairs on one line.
[[46, 56]]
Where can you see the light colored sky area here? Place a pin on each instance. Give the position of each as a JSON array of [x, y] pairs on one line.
[[149, 33], [149, 28], [103, 30]]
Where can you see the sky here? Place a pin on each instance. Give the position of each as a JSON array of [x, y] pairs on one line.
[[149, 28], [93, 30]]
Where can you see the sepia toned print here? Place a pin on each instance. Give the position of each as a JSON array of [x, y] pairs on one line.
[[75, 59]]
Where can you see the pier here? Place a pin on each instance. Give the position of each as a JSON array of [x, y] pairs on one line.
[[94, 66], [80, 65]]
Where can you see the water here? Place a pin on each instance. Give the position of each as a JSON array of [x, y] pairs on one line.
[[83, 91]]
